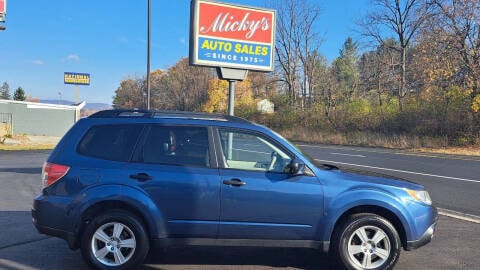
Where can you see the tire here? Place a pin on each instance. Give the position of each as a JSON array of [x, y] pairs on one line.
[[114, 240], [367, 241]]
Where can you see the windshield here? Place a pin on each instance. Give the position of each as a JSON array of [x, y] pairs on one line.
[[285, 141]]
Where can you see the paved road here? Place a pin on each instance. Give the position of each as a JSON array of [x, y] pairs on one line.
[[453, 181], [21, 247]]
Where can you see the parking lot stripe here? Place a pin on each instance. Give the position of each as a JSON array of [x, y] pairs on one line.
[[350, 155], [394, 152], [401, 171], [459, 215]]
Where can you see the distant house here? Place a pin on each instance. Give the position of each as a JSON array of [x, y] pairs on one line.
[[265, 106], [32, 118]]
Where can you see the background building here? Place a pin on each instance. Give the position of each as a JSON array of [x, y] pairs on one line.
[[20, 117]]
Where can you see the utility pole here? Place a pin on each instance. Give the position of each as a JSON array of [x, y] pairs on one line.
[[148, 56]]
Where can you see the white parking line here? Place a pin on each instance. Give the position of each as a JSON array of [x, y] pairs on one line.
[[401, 171], [459, 215], [350, 155], [251, 151], [14, 265], [393, 152]]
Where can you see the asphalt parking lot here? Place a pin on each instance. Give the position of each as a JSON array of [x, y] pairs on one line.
[[455, 245]]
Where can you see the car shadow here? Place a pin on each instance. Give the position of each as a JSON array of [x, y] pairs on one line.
[[248, 257]]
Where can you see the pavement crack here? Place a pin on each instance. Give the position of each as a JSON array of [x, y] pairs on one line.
[[24, 242]]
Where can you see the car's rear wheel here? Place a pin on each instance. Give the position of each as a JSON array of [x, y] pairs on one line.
[[367, 241], [115, 240]]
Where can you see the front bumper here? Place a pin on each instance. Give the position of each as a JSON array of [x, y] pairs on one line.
[[425, 239]]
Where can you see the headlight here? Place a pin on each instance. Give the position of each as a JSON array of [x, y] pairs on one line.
[[419, 195]]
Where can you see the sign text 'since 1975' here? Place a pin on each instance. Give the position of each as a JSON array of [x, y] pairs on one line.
[[225, 35]]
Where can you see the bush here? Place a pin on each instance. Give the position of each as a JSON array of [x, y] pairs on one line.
[[439, 120]]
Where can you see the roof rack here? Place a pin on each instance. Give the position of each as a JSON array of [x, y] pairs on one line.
[[121, 113], [134, 113]]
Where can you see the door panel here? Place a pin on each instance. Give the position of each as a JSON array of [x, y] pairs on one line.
[[269, 204], [174, 168], [187, 197]]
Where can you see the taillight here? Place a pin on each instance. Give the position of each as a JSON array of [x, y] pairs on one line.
[[51, 173]]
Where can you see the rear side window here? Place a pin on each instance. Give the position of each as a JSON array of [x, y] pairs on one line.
[[176, 145], [111, 142]]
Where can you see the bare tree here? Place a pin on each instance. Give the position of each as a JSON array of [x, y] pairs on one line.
[[378, 69], [296, 42], [403, 18], [461, 19], [264, 85]]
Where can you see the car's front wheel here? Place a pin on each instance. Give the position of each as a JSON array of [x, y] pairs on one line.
[[368, 241], [114, 240]]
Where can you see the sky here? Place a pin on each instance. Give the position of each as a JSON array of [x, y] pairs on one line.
[[108, 39]]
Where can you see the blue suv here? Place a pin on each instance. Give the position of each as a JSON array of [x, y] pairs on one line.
[[122, 181]]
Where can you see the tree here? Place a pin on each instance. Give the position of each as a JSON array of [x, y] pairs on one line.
[[320, 76], [264, 85], [129, 95], [5, 91], [218, 96], [436, 64], [461, 19], [345, 68], [296, 41], [379, 70], [325, 89], [183, 87], [19, 94], [403, 18]]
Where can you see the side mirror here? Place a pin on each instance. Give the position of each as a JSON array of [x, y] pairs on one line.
[[296, 167]]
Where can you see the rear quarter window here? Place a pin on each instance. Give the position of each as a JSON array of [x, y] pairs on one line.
[[176, 145], [110, 142]]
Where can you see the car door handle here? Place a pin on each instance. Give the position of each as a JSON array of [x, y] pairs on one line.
[[234, 182], [141, 177]]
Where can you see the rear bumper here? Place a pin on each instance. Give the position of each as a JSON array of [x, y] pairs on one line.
[[51, 220], [425, 239], [67, 236]]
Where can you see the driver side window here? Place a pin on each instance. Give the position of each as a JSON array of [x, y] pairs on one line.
[[245, 151]]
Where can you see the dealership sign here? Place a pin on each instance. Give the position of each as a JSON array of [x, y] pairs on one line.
[[76, 78], [228, 35], [3, 10]]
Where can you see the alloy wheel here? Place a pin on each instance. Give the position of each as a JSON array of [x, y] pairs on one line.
[[369, 247], [113, 244]]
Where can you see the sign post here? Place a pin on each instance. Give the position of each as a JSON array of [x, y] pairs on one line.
[[76, 79], [232, 38], [231, 75]]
